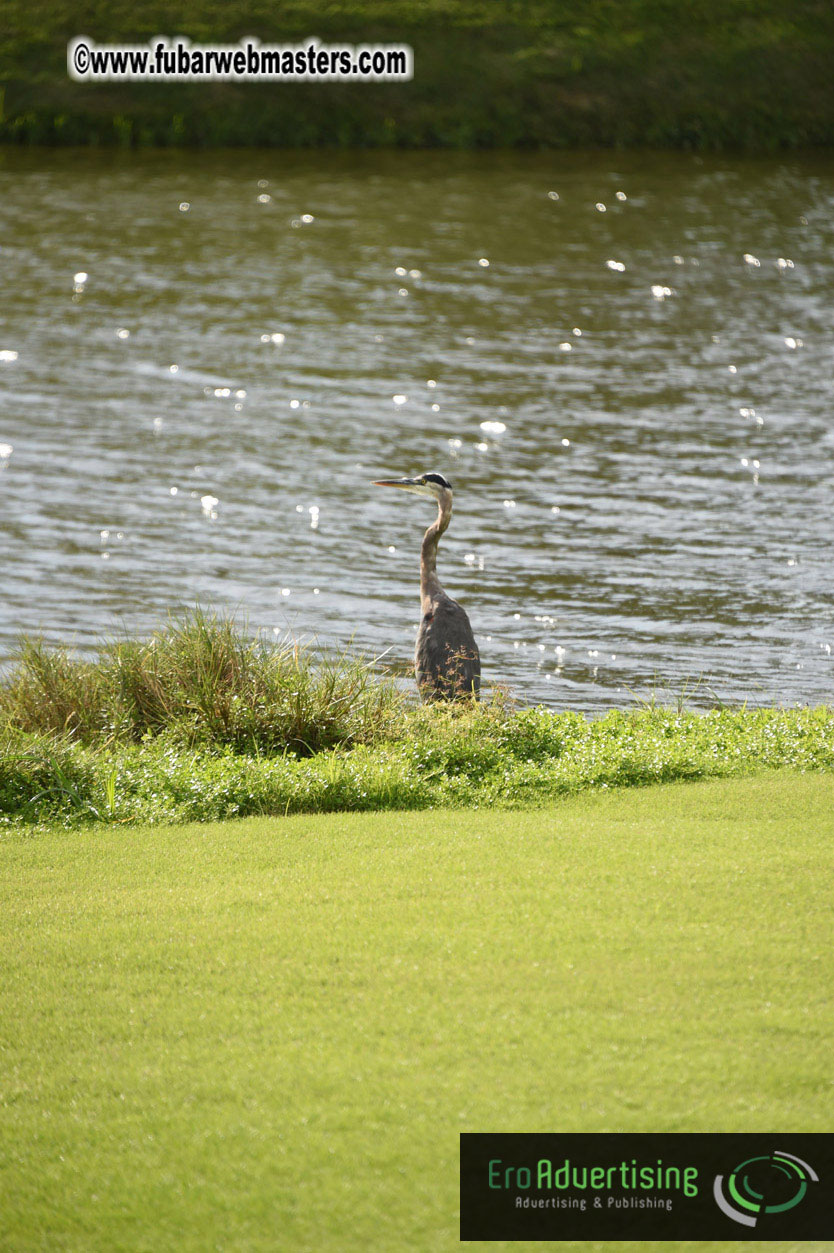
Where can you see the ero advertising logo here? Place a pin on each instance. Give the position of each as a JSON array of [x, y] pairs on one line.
[[763, 1185], [654, 1186]]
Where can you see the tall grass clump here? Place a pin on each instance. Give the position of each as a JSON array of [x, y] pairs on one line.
[[43, 777], [51, 692], [202, 680]]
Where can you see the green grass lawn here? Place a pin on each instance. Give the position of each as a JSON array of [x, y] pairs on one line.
[[268, 1034]]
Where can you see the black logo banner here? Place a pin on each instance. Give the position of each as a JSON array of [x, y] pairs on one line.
[[653, 1186]]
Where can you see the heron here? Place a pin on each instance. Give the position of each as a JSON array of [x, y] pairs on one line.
[[446, 661]]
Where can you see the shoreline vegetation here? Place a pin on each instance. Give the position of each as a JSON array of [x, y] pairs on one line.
[[750, 75], [202, 722]]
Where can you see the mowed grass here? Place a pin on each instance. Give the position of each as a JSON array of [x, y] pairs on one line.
[[268, 1034]]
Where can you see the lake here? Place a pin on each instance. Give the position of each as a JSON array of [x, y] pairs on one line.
[[622, 362]]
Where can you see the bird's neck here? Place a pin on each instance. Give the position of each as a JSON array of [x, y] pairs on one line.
[[429, 583]]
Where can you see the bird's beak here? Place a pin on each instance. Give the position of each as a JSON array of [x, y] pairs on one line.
[[406, 483]]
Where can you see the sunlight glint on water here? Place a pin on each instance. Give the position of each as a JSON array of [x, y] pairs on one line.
[[634, 406]]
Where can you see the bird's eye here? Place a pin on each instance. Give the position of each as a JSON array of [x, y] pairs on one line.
[[423, 480]]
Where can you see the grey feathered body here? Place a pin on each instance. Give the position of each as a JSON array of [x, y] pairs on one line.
[[446, 660]]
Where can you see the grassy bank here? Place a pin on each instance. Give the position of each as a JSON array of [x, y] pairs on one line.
[[720, 73], [202, 722], [268, 1034]]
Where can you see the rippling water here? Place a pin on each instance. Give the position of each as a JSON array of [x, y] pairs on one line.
[[636, 419]]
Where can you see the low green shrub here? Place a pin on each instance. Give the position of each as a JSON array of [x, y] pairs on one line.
[[477, 757]]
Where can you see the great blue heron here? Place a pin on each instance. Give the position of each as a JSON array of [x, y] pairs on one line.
[[446, 661]]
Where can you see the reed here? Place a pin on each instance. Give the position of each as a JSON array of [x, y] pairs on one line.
[[202, 679]]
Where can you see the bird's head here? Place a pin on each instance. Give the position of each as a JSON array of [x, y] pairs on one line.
[[435, 486]]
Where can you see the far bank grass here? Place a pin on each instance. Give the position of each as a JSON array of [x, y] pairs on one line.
[[203, 722], [268, 1034], [750, 74]]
